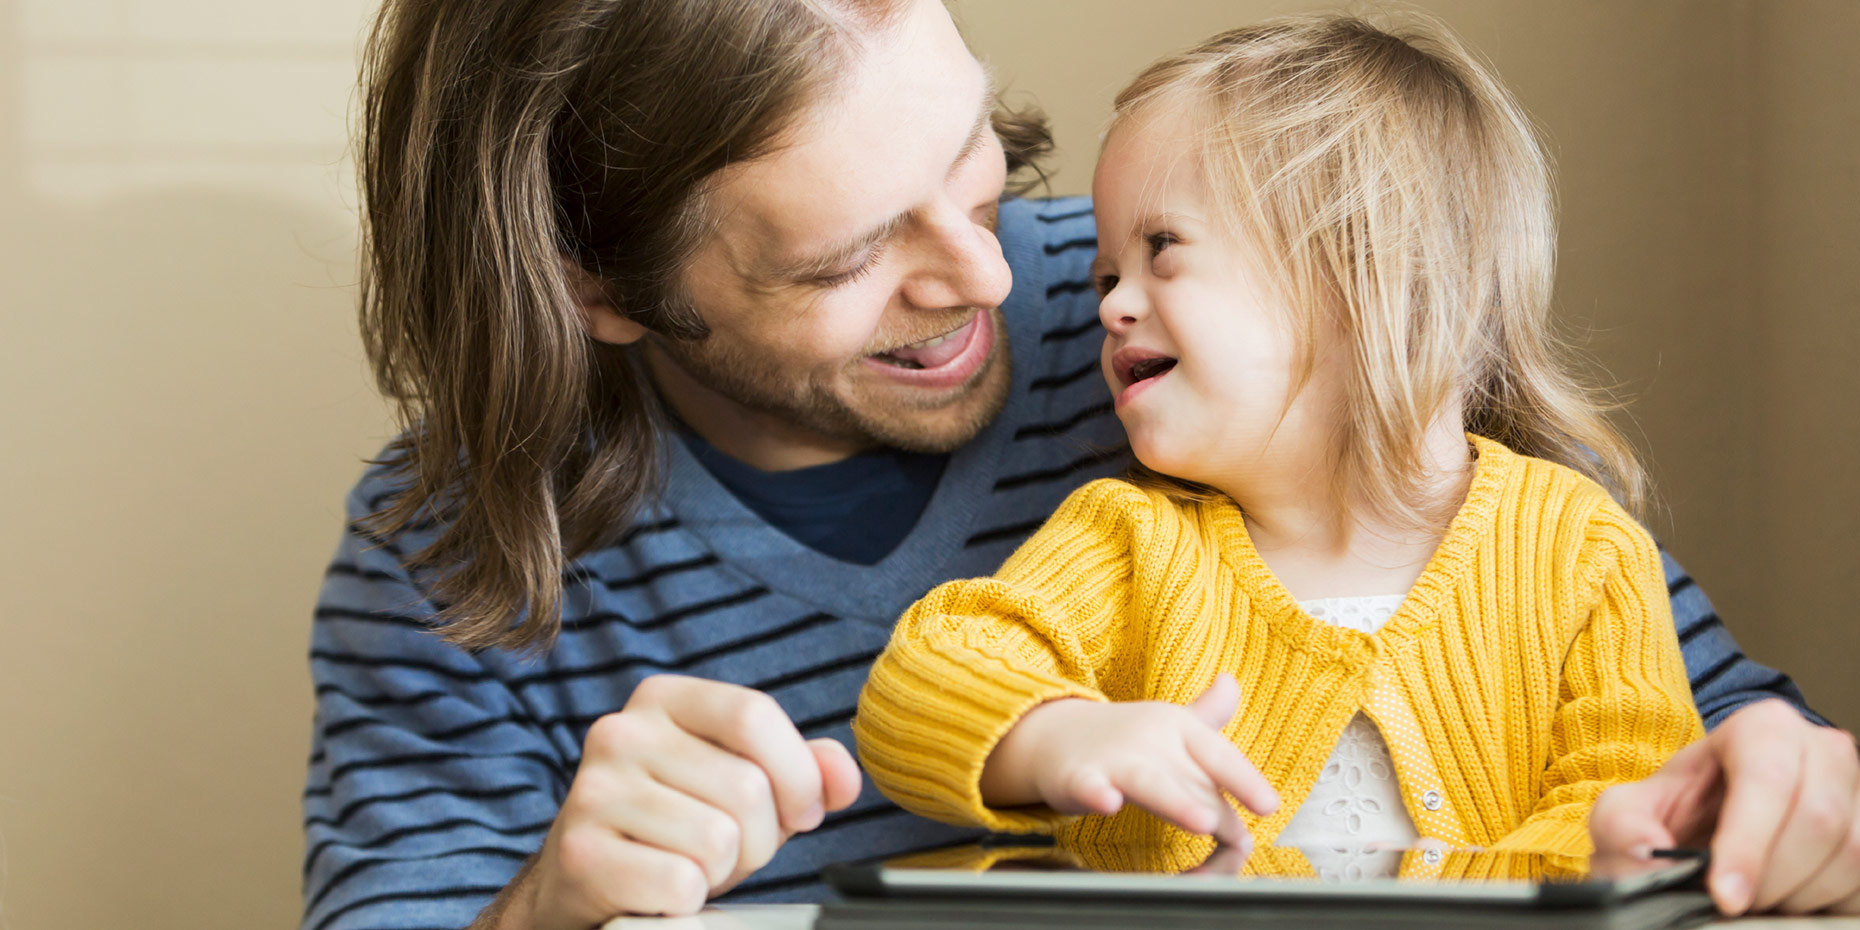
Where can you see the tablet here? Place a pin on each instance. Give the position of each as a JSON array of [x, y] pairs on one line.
[[1007, 869], [1019, 885]]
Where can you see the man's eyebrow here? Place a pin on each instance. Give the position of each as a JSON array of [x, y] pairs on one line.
[[984, 123], [837, 258]]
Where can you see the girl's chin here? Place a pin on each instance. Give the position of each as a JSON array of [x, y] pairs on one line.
[[1160, 458]]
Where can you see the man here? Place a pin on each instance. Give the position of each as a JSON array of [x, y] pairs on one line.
[[709, 348]]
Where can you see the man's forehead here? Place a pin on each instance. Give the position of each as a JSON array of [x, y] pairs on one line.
[[853, 162]]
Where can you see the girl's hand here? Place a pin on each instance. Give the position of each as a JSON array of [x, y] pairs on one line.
[[1084, 757]]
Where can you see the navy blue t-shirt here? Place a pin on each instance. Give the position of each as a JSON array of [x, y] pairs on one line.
[[856, 510]]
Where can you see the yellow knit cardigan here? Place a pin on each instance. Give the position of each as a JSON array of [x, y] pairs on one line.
[[1535, 658]]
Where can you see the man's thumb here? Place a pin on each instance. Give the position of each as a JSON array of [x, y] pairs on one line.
[[1625, 825], [839, 774], [1216, 705]]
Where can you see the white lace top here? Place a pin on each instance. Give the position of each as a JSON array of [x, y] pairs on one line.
[[1353, 824]]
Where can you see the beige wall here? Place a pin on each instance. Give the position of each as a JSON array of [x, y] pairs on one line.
[[1803, 366], [184, 402], [183, 405]]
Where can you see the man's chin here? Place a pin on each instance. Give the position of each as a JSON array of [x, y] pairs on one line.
[[937, 435], [908, 418]]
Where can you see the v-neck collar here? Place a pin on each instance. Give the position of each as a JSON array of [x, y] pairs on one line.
[[882, 591]]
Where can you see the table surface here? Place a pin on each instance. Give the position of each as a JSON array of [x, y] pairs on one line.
[[801, 917]]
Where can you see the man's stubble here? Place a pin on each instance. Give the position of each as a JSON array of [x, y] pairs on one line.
[[837, 407]]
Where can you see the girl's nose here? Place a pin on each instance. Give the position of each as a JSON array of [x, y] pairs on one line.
[[1122, 307]]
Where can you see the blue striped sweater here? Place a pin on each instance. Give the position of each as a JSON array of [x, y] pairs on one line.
[[435, 772]]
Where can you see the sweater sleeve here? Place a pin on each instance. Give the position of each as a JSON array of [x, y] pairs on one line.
[[972, 656], [429, 782], [1625, 706]]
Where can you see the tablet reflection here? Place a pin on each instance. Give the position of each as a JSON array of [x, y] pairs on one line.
[[1428, 861]]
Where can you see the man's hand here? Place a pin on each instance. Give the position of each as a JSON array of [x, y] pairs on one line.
[[1084, 757], [680, 795], [1777, 799]]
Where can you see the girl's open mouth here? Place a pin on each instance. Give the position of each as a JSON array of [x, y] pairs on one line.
[[1132, 364], [1136, 369], [1150, 368]]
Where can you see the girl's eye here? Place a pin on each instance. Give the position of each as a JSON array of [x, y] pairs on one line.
[[1106, 283], [1160, 241]]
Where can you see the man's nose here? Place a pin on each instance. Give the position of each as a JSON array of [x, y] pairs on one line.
[[963, 268]]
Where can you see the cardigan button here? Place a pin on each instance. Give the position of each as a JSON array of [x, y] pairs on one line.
[[1432, 800], [1432, 856]]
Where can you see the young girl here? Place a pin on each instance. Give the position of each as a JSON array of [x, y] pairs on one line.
[[1370, 497]]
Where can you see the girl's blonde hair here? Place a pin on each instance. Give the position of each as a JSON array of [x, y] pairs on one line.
[[1395, 192]]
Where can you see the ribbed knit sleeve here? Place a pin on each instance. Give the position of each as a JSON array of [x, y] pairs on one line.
[[969, 659], [1624, 704]]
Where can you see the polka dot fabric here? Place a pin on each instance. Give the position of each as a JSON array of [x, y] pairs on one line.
[[1355, 811]]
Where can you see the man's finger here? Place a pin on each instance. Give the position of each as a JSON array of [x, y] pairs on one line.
[[839, 774], [1217, 705], [749, 724], [1625, 826], [1817, 830], [1850, 905], [1836, 885], [651, 814], [1762, 760], [728, 782], [644, 879]]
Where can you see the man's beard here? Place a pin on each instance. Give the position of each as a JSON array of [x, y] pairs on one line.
[[830, 408]]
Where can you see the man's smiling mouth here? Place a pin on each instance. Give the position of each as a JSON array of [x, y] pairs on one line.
[[933, 352]]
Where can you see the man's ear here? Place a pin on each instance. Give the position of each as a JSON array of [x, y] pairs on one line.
[[599, 314]]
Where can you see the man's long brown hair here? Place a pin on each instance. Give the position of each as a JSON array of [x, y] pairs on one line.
[[498, 138]]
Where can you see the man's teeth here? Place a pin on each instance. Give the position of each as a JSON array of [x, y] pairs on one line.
[[932, 342], [929, 343]]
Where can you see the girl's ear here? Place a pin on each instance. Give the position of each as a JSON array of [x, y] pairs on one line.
[[599, 314]]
